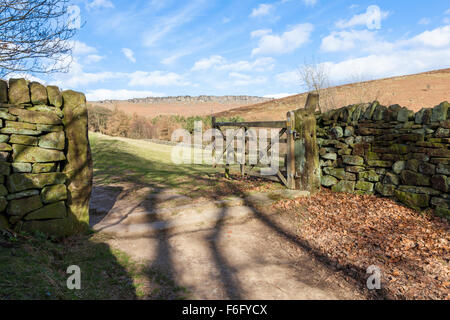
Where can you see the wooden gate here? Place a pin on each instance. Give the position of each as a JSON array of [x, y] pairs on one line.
[[297, 140]]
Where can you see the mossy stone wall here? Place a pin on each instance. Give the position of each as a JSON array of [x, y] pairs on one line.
[[390, 151], [45, 162]]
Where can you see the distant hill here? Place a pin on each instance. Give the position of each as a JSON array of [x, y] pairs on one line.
[[180, 105], [416, 91], [197, 99]]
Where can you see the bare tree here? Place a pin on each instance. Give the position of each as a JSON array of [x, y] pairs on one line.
[[315, 78], [34, 35]]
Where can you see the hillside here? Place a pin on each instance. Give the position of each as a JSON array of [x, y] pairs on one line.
[[180, 105], [413, 91], [423, 90]]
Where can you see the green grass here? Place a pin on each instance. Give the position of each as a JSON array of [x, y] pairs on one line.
[[34, 267], [141, 161]]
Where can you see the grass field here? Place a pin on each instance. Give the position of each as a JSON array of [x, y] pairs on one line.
[[150, 164], [34, 267]]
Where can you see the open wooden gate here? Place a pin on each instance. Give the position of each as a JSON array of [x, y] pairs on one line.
[[297, 140]]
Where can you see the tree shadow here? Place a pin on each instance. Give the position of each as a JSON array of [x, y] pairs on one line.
[[159, 177]]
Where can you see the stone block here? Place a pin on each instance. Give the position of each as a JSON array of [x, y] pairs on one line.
[[353, 160], [55, 210], [38, 93], [44, 167], [20, 207], [54, 193], [413, 200], [54, 96], [3, 91], [25, 140], [52, 140], [22, 181], [40, 117], [22, 153], [328, 181], [414, 179], [439, 112], [21, 167], [18, 92], [364, 185], [344, 186]]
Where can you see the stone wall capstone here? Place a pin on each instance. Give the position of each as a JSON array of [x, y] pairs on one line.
[[45, 159], [390, 151]]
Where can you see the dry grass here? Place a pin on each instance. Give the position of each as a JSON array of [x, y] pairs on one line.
[[424, 90]]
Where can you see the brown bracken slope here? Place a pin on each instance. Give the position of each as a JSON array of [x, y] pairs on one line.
[[423, 90], [415, 91]]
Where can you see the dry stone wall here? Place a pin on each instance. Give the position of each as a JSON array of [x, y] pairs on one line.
[[390, 151], [45, 163]]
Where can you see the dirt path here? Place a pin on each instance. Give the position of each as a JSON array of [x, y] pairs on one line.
[[253, 255]]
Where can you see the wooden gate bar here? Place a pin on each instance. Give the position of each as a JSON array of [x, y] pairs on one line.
[[256, 124]]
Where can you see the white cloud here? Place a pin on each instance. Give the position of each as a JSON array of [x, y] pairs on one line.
[[260, 33], [446, 20], [371, 19], [220, 63], [426, 51], [156, 78], [368, 41], [239, 76], [287, 42], [81, 48], [389, 64], [100, 4], [26, 76], [123, 94], [346, 40], [259, 65], [165, 25], [93, 58], [310, 3], [208, 63], [289, 77], [245, 79], [171, 59], [76, 77], [129, 54], [262, 10], [447, 11], [437, 38], [424, 21]]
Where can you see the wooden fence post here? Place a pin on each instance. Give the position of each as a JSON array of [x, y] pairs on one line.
[[290, 164], [307, 169], [213, 141]]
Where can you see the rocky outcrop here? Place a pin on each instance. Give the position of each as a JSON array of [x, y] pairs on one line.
[[45, 161], [199, 99]]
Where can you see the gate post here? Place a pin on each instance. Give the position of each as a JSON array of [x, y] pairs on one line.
[[307, 170], [290, 163]]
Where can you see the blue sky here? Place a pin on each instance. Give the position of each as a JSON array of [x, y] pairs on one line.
[[142, 48]]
